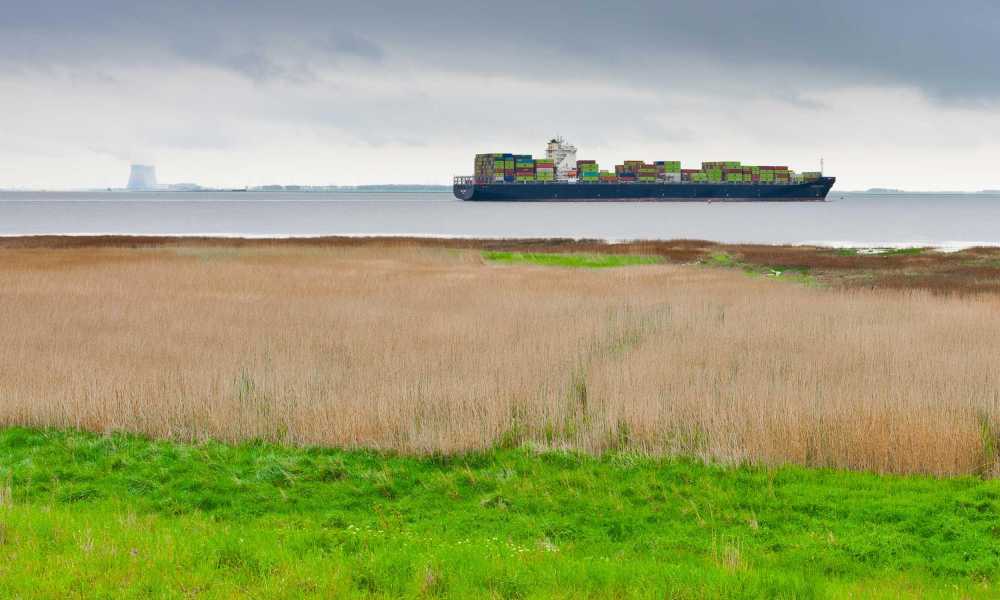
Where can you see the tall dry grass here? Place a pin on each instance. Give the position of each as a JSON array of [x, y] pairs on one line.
[[423, 349]]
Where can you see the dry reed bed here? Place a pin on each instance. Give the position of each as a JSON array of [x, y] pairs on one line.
[[427, 349]]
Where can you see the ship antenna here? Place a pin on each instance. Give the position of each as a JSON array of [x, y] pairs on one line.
[[821, 165]]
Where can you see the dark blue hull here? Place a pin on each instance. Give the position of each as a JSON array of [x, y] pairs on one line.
[[814, 191]]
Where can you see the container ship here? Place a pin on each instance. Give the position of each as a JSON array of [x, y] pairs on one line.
[[561, 177]]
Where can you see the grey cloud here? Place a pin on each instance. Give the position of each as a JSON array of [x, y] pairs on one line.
[[353, 44], [946, 50]]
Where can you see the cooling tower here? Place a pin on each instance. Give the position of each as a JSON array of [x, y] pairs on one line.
[[142, 177]]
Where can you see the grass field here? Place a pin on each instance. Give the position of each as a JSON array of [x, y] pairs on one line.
[[119, 516]]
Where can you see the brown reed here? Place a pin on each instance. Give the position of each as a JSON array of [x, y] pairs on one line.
[[431, 349]]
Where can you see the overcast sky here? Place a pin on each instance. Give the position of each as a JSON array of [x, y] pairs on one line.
[[891, 93]]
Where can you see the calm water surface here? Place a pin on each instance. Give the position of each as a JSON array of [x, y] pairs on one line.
[[849, 219]]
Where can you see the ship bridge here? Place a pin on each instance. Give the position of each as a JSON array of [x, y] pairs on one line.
[[563, 154]]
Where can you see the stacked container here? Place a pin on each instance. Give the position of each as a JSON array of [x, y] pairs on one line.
[[485, 165], [587, 171], [631, 170], [503, 168], [782, 176], [627, 172], [725, 164], [687, 173], [524, 168], [647, 173], [545, 170]]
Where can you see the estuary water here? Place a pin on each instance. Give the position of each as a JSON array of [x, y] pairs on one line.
[[848, 219]]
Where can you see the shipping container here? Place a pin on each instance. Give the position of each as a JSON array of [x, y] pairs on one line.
[[500, 167]]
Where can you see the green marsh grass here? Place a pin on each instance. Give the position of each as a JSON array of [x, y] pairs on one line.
[[124, 516], [582, 261], [796, 274]]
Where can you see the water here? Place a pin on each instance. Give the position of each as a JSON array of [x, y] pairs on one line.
[[943, 220]]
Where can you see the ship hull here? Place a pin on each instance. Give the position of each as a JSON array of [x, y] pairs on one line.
[[815, 191]]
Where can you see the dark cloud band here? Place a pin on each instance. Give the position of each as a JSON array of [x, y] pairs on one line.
[[948, 54]]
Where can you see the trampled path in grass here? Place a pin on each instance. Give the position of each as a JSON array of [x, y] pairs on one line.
[[122, 516]]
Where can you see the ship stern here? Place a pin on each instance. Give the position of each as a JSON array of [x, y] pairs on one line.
[[464, 188]]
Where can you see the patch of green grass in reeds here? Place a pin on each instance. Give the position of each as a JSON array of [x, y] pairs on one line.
[[796, 274], [122, 516], [586, 261]]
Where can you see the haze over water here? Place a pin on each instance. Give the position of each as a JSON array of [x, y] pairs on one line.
[[944, 220]]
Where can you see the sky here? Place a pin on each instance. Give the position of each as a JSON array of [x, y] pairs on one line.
[[894, 93]]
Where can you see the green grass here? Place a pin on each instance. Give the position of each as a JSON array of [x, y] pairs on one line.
[[587, 261], [120, 516], [796, 274]]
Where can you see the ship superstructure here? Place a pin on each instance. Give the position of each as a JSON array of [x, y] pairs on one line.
[[564, 156]]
